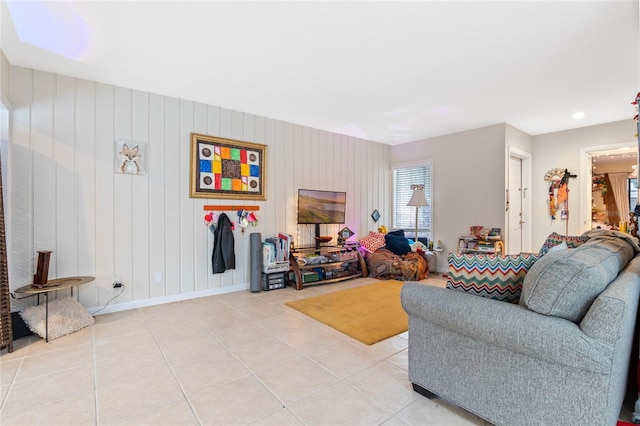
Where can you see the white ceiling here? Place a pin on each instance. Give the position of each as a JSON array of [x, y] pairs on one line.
[[390, 72]]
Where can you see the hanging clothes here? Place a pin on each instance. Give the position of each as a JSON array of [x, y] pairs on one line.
[[223, 256], [552, 203], [563, 195], [563, 189]]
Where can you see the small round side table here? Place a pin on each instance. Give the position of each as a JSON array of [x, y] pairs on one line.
[[53, 285]]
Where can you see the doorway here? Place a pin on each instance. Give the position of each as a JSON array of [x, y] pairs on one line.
[[619, 161], [518, 205]]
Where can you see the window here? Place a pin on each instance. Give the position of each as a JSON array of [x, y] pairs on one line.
[[404, 217]]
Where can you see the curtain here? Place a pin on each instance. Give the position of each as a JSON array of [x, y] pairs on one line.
[[620, 192], [610, 203]]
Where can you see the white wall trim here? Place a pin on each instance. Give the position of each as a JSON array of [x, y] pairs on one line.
[[126, 306]]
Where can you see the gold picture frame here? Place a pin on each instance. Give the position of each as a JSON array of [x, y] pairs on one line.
[[227, 168]]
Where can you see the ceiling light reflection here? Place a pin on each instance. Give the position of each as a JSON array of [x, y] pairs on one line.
[[54, 26]]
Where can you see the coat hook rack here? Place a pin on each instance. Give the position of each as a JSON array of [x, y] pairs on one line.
[[230, 208]]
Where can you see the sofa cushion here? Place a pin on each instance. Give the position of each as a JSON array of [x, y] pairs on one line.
[[495, 277], [565, 283], [555, 239], [373, 241]]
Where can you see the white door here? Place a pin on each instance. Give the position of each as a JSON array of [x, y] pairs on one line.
[[515, 194]]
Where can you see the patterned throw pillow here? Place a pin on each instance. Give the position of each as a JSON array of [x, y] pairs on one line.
[[373, 241], [555, 239], [491, 276]]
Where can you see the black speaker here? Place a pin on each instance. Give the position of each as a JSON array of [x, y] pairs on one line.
[[255, 261]]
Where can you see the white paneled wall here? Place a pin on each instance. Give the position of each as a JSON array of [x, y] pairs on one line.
[[66, 197]]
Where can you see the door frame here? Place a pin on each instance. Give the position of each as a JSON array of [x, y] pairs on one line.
[[525, 158], [586, 200]]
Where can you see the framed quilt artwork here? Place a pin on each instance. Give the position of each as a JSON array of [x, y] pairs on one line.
[[227, 168]]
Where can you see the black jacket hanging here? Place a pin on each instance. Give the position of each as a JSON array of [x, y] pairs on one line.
[[223, 256]]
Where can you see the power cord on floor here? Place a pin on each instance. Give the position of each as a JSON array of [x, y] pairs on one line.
[[110, 300]]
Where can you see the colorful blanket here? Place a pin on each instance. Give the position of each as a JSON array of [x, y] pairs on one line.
[[385, 265]]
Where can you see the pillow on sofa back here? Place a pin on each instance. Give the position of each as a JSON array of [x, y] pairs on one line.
[[555, 239], [565, 283], [494, 277]]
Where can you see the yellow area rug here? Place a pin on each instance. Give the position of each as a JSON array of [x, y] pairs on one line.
[[369, 313]]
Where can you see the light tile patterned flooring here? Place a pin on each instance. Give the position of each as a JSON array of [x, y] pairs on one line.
[[235, 359]]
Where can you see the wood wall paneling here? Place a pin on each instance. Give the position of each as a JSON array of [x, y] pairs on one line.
[[105, 193], [123, 197], [271, 205], [172, 184], [186, 225], [44, 173], [140, 274], [85, 155], [21, 268], [64, 184], [201, 271], [67, 197], [156, 223]]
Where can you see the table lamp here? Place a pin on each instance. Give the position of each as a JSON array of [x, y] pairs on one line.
[[418, 200]]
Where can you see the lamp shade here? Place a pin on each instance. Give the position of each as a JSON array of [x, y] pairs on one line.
[[417, 198]]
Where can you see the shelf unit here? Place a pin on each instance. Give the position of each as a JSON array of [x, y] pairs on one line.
[[470, 245], [345, 263]]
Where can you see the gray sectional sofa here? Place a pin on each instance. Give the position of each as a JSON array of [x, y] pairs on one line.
[[560, 356]]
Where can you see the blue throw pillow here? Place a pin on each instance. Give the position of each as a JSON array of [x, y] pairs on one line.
[[399, 233], [397, 245]]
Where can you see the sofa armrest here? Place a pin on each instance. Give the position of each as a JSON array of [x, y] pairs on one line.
[[605, 320], [506, 325]]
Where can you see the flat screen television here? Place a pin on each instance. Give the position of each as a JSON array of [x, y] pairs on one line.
[[321, 207]]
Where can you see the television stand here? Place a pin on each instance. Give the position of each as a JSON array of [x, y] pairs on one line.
[[326, 264]]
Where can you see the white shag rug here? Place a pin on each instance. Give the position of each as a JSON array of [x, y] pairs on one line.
[[65, 317]]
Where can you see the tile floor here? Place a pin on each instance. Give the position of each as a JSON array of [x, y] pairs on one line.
[[235, 359]]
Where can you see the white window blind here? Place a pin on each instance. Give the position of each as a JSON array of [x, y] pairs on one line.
[[404, 217]]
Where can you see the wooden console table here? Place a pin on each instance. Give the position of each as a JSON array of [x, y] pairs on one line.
[[52, 285]]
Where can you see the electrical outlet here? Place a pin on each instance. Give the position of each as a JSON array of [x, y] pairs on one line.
[[116, 282]]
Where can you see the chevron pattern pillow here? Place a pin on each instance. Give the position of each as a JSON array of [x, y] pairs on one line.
[[555, 239], [491, 276]]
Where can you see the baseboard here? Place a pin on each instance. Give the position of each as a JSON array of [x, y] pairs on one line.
[[135, 304]]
